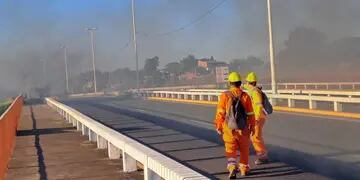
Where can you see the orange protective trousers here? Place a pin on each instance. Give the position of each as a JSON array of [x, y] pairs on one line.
[[258, 140], [235, 141]]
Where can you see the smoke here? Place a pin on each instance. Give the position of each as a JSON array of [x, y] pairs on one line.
[[325, 32]]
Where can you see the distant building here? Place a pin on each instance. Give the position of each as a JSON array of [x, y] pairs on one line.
[[210, 64], [221, 73], [204, 63]]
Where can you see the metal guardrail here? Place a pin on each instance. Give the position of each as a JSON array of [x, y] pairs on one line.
[[316, 85], [295, 92], [87, 94], [313, 85], [156, 165], [291, 98]]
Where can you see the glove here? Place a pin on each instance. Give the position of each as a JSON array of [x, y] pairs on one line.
[[219, 131]]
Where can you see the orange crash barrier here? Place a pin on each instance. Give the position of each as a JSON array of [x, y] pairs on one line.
[[9, 121]]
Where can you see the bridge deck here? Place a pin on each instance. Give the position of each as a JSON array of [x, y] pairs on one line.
[[166, 128], [48, 148]]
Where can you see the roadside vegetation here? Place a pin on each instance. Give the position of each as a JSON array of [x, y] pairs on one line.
[[4, 104]]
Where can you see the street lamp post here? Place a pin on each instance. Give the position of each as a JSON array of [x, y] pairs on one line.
[[135, 45], [271, 49], [91, 31], [66, 68]]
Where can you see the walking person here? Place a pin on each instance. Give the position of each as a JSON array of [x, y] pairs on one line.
[[235, 122]]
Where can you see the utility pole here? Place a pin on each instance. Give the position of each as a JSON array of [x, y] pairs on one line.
[[135, 45], [91, 31], [271, 49], [66, 68]]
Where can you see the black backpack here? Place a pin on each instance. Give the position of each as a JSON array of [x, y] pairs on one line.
[[236, 117], [266, 103]]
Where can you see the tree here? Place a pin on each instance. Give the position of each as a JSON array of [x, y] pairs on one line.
[[245, 65], [173, 68], [151, 65], [188, 64]]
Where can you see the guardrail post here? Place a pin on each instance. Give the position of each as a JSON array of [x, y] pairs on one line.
[[353, 86], [327, 86], [273, 101], [201, 97], [67, 117], [113, 151], [74, 121], [150, 175], [78, 126], [84, 130], [129, 163], [338, 107], [101, 142], [92, 136], [193, 97], [291, 103], [312, 104]]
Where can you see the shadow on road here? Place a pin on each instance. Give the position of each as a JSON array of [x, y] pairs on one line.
[[39, 151]]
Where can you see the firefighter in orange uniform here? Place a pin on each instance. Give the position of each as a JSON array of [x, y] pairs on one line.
[[235, 139]]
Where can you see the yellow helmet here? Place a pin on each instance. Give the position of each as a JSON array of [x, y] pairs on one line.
[[234, 77], [251, 77]]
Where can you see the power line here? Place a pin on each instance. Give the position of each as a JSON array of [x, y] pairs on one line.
[[191, 23]]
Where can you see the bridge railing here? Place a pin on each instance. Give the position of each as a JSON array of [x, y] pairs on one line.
[[306, 86], [9, 121], [156, 165], [291, 98], [296, 92], [317, 85]]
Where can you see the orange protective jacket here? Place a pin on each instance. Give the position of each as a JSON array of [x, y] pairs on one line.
[[223, 103]]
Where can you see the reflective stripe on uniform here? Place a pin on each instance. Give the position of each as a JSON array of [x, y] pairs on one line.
[[231, 161], [221, 110], [250, 113]]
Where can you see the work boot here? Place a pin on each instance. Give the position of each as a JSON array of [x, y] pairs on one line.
[[244, 170], [261, 161], [232, 171]]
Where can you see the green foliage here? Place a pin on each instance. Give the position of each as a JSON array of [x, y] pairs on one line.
[[4, 105], [151, 65], [173, 68], [188, 64]]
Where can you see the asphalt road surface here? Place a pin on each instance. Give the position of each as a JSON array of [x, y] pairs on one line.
[[301, 146]]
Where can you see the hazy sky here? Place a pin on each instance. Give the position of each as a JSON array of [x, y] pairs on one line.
[[32, 29]]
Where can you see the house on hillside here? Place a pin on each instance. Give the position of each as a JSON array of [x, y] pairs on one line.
[[210, 64]]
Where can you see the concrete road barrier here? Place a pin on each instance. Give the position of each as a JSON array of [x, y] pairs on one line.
[[9, 121], [156, 165]]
